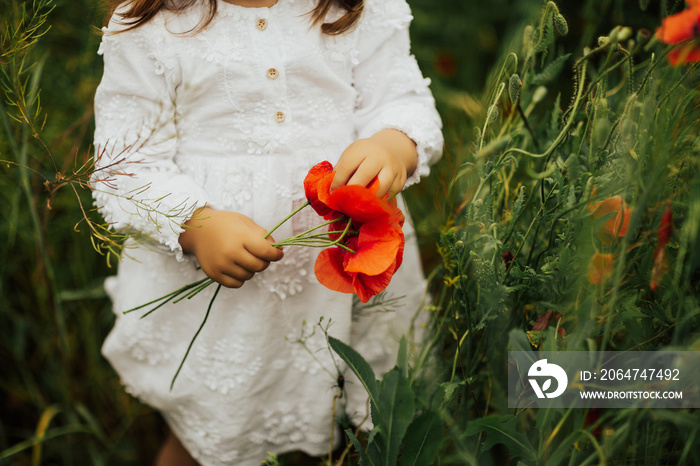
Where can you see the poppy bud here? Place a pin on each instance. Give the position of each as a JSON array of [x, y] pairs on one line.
[[492, 114], [560, 24], [643, 36], [514, 87], [620, 34], [540, 93]]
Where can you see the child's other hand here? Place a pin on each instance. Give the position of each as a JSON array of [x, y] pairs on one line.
[[230, 247], [389, 155]]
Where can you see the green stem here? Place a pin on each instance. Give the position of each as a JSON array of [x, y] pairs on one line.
[[194, 292], [304, 234], [298, 209], [201, 326], [565, 131], [169, 295]]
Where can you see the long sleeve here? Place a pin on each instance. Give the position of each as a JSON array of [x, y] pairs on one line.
[[137, 186], [392, 93]]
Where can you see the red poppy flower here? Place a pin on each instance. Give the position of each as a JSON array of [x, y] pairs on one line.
[[445, 64], [618, 225], [680, 29], [660, 267], [599, 268], [543, 320], [375, 239]]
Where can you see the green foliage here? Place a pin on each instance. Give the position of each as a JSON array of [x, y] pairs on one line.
[[521, 229], [60, 403], [393, 404]]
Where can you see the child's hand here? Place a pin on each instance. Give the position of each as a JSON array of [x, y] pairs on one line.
[[389, 155], [230, 247]]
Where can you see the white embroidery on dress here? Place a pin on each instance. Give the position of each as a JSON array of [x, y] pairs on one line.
[[282, 425], [224, 365]]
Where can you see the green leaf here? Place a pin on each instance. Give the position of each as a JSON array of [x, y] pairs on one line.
[[364, 461], [359, 366], [501, 429], [402, 359], [450, 388], [545, 36], [424, 438], [396, 405], [375, 447], [550, 72]]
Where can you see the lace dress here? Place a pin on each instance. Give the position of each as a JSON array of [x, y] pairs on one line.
[[233, 117]]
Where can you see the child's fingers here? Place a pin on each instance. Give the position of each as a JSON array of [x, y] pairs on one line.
[[236, 272], [262, 248], [345, 169], [251, 263], [366, 172], [226, 280]]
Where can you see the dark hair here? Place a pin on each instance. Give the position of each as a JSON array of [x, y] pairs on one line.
[[139, 12]]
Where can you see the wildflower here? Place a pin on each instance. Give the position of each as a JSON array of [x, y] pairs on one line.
[[543, 320], [508, 259], [445, 64], [617, 226], [680, 29], [372, 246], [591, 418], [660, 267], [599, 268]]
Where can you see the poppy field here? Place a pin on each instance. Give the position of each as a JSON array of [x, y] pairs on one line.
[[563, 216]]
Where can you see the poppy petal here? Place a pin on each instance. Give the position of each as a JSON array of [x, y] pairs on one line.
[[318, 177], [367, 286], [329, 271], [599, 268], [679, 27], [358, 203], [377, 248], [684, 54]]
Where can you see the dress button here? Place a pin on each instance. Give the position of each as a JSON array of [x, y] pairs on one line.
[[261, 24], [279, 116], [272, 73]]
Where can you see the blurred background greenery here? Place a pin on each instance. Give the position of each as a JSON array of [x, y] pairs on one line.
[[60, 402]]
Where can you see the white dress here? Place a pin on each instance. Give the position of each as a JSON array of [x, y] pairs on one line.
[[233, 117]]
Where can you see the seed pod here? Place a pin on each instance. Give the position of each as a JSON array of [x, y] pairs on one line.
[[643, 36], [560, 24], [514, 86]]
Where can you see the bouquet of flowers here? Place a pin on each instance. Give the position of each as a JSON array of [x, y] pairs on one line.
[[363, 241]]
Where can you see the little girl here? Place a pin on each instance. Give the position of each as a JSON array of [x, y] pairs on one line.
[[208, 117]]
